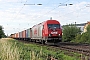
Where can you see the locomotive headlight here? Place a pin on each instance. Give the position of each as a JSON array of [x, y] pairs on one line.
[[58, 34], [49, 34]]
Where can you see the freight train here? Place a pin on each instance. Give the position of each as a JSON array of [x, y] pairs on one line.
[[49, 31]]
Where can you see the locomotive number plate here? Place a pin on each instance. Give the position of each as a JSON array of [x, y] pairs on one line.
[[54, 32]]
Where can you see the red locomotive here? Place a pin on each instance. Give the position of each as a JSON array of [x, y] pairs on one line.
[[49, 31]]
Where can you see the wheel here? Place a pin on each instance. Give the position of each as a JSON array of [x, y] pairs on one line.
[[43, 42]]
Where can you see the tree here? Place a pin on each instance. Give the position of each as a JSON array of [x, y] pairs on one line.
[[69, 32], [2, 34]]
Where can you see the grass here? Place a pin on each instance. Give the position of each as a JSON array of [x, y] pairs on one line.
[[8, 51], [11, 49]]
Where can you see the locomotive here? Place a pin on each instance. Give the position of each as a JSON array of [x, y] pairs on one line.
[[49, 31]]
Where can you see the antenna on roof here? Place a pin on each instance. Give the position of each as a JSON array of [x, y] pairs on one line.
[[50, 18]]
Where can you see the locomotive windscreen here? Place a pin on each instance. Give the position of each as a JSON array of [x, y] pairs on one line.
[[54, 26]]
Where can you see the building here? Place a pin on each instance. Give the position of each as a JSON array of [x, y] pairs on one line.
[[85, 27], [81, 26]]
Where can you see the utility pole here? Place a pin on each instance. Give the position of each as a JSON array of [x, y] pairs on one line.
[[50, 18]]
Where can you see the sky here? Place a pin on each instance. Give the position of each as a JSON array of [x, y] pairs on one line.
[[19, 15]]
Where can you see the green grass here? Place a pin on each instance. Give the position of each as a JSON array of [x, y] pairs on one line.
[[14, 50]]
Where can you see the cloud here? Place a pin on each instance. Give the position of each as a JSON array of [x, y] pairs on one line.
[[16, 17], [13, 1]]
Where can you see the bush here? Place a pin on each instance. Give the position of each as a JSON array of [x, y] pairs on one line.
[[84, 37], [69, 32]]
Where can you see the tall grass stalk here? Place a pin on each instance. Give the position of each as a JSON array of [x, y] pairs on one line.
[[7, 52]]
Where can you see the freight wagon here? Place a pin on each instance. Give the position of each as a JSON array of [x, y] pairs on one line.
[[28, 34]]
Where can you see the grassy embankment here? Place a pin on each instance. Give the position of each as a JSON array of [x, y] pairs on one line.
[[11, 49]]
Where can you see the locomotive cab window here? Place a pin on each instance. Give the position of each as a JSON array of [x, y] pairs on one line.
[[53, 26]]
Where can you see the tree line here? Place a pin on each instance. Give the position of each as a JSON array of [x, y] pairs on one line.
[[2, 34], [71, 33]]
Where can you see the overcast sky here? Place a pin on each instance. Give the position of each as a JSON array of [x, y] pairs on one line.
[[15, 16]]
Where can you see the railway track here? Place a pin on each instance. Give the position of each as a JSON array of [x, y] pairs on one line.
[[83, 49], [80, 50]]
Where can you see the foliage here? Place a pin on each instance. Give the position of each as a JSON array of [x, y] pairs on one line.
[[2, 34], [14, 50], [69, 32], [84, 37], [77, 38]]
